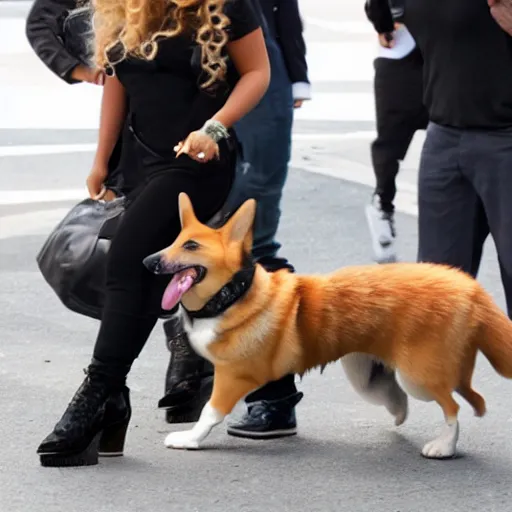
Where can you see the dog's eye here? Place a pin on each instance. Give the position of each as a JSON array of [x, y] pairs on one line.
[[190, 245]]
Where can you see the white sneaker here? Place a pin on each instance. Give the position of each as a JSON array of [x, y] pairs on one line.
[[382, 230]]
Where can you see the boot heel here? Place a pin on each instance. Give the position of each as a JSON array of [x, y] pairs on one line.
[[111, 442], [88, 457], [190, 412]]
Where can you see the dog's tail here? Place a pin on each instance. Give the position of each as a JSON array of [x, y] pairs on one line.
[[495, 334]]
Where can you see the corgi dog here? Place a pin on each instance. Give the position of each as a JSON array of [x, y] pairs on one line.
[[424, 323]]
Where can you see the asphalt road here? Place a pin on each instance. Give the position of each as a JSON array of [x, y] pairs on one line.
[[348, 456]]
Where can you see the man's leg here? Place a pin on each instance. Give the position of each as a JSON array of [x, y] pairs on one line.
[[398, 91], [489, 164], [451, 222]]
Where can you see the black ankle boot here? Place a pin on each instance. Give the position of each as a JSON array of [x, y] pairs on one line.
[[94, 423], [189, 379]]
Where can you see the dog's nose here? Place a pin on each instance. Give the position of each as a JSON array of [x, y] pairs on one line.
[[153, 263]]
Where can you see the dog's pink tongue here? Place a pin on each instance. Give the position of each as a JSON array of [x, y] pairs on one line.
[[180, 284]]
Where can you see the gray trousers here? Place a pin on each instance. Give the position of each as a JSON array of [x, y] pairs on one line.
[[465, 193]]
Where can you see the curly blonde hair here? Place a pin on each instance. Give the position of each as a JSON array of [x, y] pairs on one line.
[[133, 27]]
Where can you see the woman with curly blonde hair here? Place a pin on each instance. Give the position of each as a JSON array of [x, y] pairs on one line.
[[191, 70]]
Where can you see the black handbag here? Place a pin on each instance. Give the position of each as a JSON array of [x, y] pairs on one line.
[[73, 260], [74, 257]]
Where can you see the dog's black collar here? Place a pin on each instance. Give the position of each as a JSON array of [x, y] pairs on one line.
[[231, 292]]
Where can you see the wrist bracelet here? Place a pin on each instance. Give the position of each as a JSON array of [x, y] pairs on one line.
[[215, 129]]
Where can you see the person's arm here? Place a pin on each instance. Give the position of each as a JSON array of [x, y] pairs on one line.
[[291, 40], [379, 14], [43, 32], [113, 114], [112, 117], [249, 55]]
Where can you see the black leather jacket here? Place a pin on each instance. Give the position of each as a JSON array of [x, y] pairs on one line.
[[43, 29], [285, 26]]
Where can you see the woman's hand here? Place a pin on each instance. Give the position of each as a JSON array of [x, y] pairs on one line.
[[95, 182], [198, 146], [501, 11], [89, 75]]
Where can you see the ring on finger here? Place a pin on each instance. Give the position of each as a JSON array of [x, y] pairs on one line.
[[201, 155]]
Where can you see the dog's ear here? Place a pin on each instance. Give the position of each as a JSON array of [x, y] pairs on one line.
[[239, 227], [186, 210]]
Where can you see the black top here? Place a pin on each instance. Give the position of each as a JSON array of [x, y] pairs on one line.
[[468, 63], [285, 26], [166, 101]]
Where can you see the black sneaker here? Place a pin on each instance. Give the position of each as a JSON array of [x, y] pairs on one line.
[[268, 419]]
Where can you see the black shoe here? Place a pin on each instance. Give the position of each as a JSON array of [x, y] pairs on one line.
[[189, 379], [94, 423], [268, 419]]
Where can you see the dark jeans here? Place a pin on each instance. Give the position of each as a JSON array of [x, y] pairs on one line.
[[398, 89], [265, 135], [465, 184], [151, 222]]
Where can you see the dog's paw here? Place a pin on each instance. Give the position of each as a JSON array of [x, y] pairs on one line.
[[185, 440], [443, 447], [438, 449]]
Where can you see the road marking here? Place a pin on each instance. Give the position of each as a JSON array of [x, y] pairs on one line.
[[13, 197], [346, 27], [47, 149], [348, 170], [61, 149], [361, 135], [31, 224]]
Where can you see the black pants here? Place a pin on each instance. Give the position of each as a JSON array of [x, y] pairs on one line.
[[465, 181], [151, 223], [123, 176], [398, 87]]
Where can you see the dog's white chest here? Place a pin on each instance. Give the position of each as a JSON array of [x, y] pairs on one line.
[[201, 334]]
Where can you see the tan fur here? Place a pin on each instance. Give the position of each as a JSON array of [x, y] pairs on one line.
[[427, 321]]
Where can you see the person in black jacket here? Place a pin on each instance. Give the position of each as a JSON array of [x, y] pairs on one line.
[[186, 373], [400, 112]]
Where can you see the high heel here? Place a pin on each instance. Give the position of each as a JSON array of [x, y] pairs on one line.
[[189, 379], [116, 420], [94, 422], [111, 443]]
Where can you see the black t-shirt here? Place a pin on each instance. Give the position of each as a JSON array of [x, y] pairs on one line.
[[468, 63], [166, 101]]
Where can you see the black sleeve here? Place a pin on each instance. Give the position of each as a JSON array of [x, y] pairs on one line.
[[379, 14], [43, 33], [289, 33], [243, 17]]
